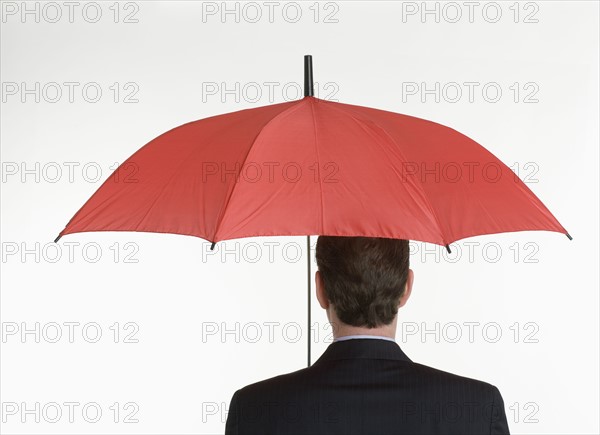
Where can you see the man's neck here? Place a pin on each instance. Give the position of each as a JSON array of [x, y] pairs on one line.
[[341, 329]]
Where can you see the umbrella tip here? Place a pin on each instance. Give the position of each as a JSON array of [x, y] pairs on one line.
[[569, 236], [448, 248], [309, 90], [58, 238], [212, 246]]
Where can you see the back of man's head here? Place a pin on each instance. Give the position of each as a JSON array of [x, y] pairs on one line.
[[364, 277]]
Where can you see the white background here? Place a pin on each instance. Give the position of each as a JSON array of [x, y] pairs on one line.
[[539, 290]]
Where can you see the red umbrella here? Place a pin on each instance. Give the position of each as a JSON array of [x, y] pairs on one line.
[[314, 167]]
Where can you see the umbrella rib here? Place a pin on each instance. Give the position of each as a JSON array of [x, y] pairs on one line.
[[228, 200], [417, 183]]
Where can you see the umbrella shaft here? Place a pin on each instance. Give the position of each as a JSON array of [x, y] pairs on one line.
[[308, 301]]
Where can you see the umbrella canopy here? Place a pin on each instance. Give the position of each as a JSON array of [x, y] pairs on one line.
[[314, 167]]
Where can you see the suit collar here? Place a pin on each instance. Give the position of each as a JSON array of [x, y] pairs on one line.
[[363, 348]]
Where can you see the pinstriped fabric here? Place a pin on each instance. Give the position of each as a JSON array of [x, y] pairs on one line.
[[365, 386]]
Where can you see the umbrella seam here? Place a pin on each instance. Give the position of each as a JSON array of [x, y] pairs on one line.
[[417, 183], [279, 115], [318, 163]]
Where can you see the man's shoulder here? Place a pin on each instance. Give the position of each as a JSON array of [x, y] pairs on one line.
[[414, 374], [437, 377], [429, 371], [278, 383]]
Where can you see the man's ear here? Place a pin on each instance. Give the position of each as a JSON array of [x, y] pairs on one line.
[[320, 288], [408, 288]]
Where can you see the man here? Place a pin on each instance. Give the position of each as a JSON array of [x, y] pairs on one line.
[[364, 383]]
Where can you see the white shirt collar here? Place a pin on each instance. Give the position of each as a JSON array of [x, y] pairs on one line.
[[350, 337]]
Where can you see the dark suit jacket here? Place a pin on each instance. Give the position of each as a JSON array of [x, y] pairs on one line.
[[367, 386]]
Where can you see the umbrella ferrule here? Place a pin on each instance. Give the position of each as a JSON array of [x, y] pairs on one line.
[[309, 90]]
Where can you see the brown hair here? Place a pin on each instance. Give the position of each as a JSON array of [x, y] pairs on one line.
[[364, 277]]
